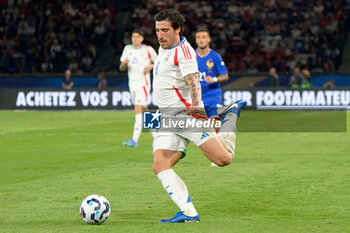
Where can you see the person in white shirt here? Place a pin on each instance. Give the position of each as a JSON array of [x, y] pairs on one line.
[[176, 86], [138, 58]]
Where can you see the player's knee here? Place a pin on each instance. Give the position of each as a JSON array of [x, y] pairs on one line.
[[158, 167], [155, 168], [225, 160]]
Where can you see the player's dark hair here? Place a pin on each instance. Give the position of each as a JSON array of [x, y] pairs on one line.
[[174, 16], [138, 31], [203, 30]]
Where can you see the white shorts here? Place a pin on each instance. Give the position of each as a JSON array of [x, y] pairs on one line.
[[179, 141], [139, 95]]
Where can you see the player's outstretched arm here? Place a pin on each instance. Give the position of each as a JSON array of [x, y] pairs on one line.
[[220, 79], [192, 80], [223, 78]]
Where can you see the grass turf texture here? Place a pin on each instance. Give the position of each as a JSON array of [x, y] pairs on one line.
[[278, 182]]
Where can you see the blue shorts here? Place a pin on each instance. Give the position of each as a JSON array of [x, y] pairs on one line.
[[211, 107], [212, 100]]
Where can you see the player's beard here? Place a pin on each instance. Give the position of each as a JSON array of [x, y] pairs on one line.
[[204, 47], [165, 45], [168, 44]]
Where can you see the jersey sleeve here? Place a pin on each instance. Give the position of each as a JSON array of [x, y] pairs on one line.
[[152, 52], [124, 54], [186, 59], [220, 65]]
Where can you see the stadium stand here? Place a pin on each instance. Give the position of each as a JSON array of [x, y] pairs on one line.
[[51, 36], [254, 35], [88, 36]]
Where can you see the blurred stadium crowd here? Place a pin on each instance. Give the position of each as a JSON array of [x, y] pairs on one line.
[[253, 35], [51, 36]]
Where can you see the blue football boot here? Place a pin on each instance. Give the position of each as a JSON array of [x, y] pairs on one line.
[[180, 217], [130, 143], [235, 107]]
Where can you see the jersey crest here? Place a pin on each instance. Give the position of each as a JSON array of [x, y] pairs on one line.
[[210, 65]]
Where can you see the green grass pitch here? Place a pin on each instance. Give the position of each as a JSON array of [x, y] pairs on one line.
[[278, 181]]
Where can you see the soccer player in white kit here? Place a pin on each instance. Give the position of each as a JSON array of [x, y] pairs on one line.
[[176, 85], [139, 59]]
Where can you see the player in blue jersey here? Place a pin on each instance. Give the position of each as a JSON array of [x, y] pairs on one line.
[[213, 72]]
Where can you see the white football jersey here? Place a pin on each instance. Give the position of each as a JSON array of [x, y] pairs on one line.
[[138, 60], [170, 68]]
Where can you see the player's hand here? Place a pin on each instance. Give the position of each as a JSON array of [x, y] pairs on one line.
[[148, 68], [122, 66], [209, 79], [192, 110]]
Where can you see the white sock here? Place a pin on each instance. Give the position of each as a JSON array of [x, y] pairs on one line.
[[137, 127], [227, 132], [177, 190]]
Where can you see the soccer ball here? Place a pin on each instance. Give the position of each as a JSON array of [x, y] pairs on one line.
[[95, 209]]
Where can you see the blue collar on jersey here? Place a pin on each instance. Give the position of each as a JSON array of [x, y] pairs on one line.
[[138, 48], [183, 39]]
